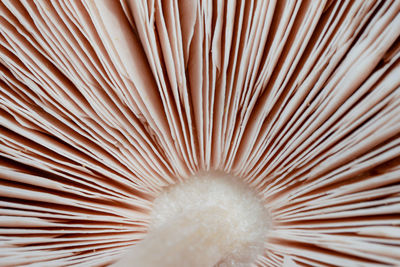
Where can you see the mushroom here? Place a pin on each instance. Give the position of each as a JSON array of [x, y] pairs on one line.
[[199, 133]]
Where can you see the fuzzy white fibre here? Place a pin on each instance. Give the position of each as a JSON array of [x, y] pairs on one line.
[[212, 219]]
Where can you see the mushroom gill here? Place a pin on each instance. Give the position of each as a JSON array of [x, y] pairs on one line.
[[107, 105]]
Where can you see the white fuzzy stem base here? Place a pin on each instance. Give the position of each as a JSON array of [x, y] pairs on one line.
[[212, 219]]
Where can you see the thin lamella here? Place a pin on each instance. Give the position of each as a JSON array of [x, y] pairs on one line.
[[106, 104]]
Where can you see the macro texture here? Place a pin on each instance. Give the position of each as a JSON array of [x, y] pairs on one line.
[[104, 103]]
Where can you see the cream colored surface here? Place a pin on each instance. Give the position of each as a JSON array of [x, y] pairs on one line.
[[209, 220]]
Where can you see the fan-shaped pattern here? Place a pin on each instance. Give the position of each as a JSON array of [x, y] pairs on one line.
[[105, 102]]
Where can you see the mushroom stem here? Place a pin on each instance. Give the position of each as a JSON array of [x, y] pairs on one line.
[[210, 220]]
